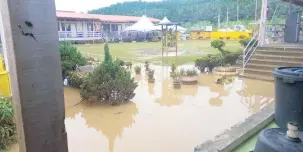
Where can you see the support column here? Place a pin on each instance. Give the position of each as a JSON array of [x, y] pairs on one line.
[[263, 22], [177, 40], [35, 74], [290, 6], [162, 39], [3, 44]]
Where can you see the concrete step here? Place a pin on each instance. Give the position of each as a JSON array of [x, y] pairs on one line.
[[278, 58], [257, 77], [275, 62], [258, 72], [261, 66], [297, 49], [280, 53]]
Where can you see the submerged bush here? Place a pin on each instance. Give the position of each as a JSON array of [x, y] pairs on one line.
[[109, 82], [70, 58], [76, 79], [191, 73], [7, 124], [210, 61], [231, 58], [121, 62]]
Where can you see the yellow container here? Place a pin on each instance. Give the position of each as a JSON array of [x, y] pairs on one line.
[[5, 90], [234, 35]]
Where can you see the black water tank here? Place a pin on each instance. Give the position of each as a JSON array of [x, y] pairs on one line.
[[275, 140], [289, 96]]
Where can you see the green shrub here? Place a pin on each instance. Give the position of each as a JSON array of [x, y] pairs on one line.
[[138, 69], [121, 62], [182, 72], [173, 68], [76, 79], [129, 64], [210, 61], [231, 58], [146, 66], [245, 42], [70, 58], [191, 73], [218, 44], [109, 82], [7, 124]]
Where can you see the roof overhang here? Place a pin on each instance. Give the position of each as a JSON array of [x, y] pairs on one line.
[[297, 2]]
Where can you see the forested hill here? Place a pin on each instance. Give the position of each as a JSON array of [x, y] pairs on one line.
[[191, 10]]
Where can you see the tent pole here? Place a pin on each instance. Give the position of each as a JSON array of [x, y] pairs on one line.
[[162, 39], [166, 38], [176, 40]]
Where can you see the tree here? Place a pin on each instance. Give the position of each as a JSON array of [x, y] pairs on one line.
[[190, 10], [107, 55], [109, 82], [70, 58]]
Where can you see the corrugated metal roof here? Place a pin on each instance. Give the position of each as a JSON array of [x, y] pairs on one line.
[[98, 17]]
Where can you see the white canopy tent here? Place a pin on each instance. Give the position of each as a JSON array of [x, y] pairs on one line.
[[143, 25], [165, 21]]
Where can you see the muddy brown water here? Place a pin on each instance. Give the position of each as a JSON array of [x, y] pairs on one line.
[[160, 118]]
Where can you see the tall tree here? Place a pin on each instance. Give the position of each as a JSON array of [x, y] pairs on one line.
[[192, 10], [108, 57]]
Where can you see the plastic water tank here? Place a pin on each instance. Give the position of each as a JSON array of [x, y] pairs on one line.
[[278, 140], [289, 96]]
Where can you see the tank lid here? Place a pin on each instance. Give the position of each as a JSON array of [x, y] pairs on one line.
[[289, 74]]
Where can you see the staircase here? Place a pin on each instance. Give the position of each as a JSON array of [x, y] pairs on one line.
[[262, 63]]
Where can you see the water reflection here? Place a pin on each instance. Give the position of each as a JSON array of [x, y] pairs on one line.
[[159, 116], [169, 96]]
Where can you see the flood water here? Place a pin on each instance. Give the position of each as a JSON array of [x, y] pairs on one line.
[[160, 118]]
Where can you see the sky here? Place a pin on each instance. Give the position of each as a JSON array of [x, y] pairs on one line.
[[85, 5]]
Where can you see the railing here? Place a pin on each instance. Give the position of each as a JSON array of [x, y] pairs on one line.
[[250, 49], [87, 35], [274, 33]]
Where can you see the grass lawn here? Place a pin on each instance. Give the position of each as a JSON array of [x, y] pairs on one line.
[[130, 50]]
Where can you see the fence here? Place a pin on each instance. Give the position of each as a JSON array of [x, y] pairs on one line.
[[75, 35]]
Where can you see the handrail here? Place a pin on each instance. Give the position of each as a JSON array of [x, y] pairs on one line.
[[247, 51], [250, 55]]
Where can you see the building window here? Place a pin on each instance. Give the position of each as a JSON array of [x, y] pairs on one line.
[[90, 27], [58, 26], [68, 27], [62, 27], [114, 27], [106, 27]]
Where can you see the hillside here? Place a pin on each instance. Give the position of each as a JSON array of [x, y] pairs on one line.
[[192, 10]]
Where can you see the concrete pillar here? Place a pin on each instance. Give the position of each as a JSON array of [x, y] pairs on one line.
[[3, 44], [290, 6], [35, 74], [263, 23]]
